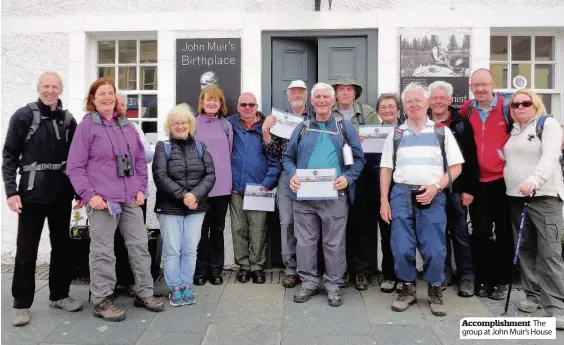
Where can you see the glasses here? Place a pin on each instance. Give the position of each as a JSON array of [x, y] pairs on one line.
[[179, 124], [525, 104], [391, 107], [414, 101], [480, 85], [245, 105]]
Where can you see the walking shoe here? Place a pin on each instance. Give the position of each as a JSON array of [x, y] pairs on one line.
[[175, 297], [290, 281], [335, 298], [388, 286], [243, 276], [361, 283], [188, 296], [482, 290], [345, 283], [199, 280], [499, 292], [216, 279], [150, 303], [436, 299], [559, 322], [446, 282], [108, 311], [466, 288], [20, 317], [258, 277], [406, 297], [304, 294], [527, 306], [67, 304]]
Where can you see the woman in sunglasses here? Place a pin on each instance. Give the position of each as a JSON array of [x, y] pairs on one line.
[[533, 172]]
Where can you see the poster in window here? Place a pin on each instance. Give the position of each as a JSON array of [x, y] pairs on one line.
[[428, 55], [204, 61]]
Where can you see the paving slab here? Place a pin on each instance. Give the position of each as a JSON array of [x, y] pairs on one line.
[[378, 306], [195, 318], [324, 339], [258, 304], [456, 305], [404, 334], [447, 329], [249, 334], [170, 338]]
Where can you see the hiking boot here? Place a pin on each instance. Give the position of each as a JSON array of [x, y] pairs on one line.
[[406, 297], [290, 281], [67, 304], [388, 286], [559, 322], [175, 297], [304, 295], [482, 290], [335, 298], [361, 283], [345, 283], [150, 303], [108, 311], [20, 317], [499, 292], [446, 282], [188, 296], [438, 307], [527, 306], [466, 288]]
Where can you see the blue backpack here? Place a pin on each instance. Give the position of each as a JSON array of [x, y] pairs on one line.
[[538, 130], [168, 148]]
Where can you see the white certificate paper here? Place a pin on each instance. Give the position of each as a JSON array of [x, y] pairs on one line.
[[257, 199], [316, 184], [285, 123], [374, 137]]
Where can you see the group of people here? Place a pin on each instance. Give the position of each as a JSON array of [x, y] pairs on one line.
[[489, 157]]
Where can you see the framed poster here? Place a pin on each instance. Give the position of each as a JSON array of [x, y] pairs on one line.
[[204, 61]]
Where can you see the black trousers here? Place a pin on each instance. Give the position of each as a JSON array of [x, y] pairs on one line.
[[457, 231], [386, 247], [211, 251], [124, 274], [493, 259], [362, 229], [30, 226]]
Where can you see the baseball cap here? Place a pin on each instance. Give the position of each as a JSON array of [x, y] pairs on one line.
[[297, 83]]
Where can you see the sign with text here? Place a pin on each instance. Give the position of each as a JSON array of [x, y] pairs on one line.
[[204, 61]]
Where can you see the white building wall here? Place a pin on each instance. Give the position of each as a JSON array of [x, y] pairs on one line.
[[60, 35]]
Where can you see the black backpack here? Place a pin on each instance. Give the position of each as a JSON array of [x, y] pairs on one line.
[[37, 118]]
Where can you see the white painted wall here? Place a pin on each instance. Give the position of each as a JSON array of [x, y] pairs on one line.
[[59, 35]]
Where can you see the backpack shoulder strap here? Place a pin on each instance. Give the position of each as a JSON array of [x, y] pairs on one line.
[[67, 123], [540, 125], [168, 149], [224, 125], [36, 120], [360, 119], [440, 133], [507, 115], [303, 130], [199, 148], [470, 109], [398, 134], [341, 127]]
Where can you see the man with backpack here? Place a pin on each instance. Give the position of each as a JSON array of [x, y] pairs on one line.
[[38, 141], [463, 189], [362, 234], [423, 159], [323, 142], [488, 114]]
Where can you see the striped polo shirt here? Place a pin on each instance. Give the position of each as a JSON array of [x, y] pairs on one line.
[[419, 159]]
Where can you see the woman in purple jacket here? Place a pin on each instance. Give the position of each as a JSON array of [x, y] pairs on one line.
[[215, 131], [107, 169]]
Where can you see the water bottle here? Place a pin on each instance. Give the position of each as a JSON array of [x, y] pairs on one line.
[[347, 155]]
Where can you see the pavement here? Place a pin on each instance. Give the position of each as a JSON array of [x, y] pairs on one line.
[[249, 314]]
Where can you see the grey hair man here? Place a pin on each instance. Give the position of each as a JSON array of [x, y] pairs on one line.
[[321, 142], [38, 142], [276, 146]]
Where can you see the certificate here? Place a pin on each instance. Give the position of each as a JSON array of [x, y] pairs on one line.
[[316, 184], [374, 137], [285, 123], [258, 199]]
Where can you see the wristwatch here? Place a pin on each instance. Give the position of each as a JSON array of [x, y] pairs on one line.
[[438, 187]]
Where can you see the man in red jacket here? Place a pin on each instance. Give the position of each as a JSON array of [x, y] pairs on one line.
[[492, 252]]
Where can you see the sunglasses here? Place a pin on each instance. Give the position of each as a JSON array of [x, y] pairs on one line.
[[525, 104], [245, 105]]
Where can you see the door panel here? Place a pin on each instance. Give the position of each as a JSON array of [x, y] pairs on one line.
[[343, 56], [291, 60]]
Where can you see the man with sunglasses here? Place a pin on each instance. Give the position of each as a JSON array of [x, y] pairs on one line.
[[250, 164], [488, 115]]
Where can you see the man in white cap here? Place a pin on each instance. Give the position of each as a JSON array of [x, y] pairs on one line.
[[276, 146]]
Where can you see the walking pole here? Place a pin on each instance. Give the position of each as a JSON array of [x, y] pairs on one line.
[[516, 257]]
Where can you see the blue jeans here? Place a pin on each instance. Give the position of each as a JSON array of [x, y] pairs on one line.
[[423, 228], [181, 235]]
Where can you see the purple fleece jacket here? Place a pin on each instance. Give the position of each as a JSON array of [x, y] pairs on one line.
[[92, 167], [210, 132]]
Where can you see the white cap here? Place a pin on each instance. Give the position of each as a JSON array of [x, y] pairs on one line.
[[297, 83]]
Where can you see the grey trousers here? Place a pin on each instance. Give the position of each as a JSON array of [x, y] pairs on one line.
[[540, 252], [248, 229], [327, 218], [102, 260], [286, 210]]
